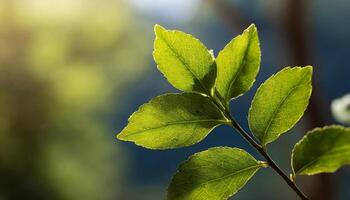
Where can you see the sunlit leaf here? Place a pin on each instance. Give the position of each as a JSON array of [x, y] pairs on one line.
[[184, 60], [280, 102], [172, 120], [322, 150], [214, 174], [238, 64]]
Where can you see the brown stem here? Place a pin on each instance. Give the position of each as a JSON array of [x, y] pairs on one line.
[[269, 160]]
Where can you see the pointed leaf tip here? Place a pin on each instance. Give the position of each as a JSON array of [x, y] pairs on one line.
[[185, 62], [172, 121], [251, 27], [280, 102], [238, 64], [158, 28]]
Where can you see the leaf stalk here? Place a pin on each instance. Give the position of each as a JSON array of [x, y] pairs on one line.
[[262, 150]]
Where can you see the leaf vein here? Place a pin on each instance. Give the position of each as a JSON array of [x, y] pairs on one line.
[[326, 154], [177, 55], [271, 118], [240, 68], [230, 174], [175, 123]]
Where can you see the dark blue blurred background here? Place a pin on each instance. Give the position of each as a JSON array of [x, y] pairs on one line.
[[72, 72]]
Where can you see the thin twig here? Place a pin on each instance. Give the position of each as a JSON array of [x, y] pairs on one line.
[[259, 148], [269, 160]]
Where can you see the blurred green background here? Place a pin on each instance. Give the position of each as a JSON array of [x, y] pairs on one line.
[[72, 71]]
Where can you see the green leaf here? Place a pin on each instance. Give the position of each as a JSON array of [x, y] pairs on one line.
[[184, 60], [172, 120], [322, 150], [238, 64], [279, 103], [214, 174]]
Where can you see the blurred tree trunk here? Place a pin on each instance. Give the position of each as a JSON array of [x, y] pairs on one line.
[[24, 110], [298, 34]]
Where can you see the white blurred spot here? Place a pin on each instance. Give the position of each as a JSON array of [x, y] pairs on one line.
[[171, 10], [341, 109]]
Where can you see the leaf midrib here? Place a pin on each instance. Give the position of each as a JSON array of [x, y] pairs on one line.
[[231, 174], [327, 153], [240, 68], [175, 123], [279, 106], [177, 55]]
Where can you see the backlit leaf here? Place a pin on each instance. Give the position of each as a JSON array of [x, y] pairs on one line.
[[322, 150], [280, 102], [184, 60], [214, 174], [172, 120], [238, 64]]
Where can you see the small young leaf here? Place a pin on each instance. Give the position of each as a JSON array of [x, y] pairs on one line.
[[172, 120], [214, 174], [238, 64], [184, 60], [322, 150], [279, 103]]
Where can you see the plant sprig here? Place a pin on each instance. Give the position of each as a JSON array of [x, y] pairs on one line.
[[209, 84]]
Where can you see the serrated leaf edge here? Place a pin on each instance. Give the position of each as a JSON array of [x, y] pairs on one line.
[[252, 27], [157, 26], [264, 83], [120, 136], [314, 131], [260, 164]]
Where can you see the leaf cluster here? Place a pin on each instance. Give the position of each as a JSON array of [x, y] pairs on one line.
[[209, 83]]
